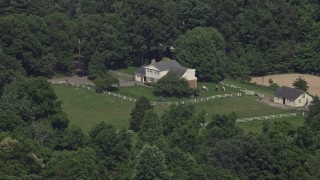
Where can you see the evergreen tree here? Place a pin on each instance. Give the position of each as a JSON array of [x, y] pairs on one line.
[[151, 128], [137, 113], [150, 164]]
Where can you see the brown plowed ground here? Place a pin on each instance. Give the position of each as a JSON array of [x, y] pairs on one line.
[[288, 79]]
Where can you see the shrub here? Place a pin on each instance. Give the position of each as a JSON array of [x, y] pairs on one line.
[[171, 85]]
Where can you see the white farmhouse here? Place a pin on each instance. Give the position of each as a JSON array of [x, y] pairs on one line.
[[156, 70], [292, 97]]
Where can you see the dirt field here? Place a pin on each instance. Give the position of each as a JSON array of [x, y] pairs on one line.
[[288, 79]]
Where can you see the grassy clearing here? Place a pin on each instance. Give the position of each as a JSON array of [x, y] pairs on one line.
[[264, 90], [256, 126], [137, 91], [86, 108], [247, 106], [129, 70]]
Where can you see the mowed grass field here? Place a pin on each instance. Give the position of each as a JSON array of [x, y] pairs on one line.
[[264, 90], [86, 108], [256, 126], [244, 107], [137, 91]]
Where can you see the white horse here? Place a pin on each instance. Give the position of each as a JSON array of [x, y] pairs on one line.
[[204, 88]]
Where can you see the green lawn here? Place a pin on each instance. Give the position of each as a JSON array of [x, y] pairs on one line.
[[137, 91], [86, 108], [256, 126], [264, 90], [246, 106], [129, 70]]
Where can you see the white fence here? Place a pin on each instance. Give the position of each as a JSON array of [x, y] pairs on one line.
[[126, 98], [277, 116], [154, 103], [191, 101], [246, 92]]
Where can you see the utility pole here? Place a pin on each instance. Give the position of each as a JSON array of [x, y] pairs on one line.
[[79, 62], [79, 50]]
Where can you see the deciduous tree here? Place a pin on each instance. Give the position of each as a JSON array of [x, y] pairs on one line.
[[202, 49], [150, 164], [301, 83]]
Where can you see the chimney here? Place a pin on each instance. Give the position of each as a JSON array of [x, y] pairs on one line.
[[153, 61]]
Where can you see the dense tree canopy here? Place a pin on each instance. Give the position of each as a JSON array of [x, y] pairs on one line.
[[203, 50], [252, 38], [217, 38]]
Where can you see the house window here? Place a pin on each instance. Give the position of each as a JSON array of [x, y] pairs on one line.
[[303, 95], [299, 100], [158, 72]]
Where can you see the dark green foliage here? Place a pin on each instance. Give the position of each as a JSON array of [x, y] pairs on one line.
[[31, 99], [150, 164], [138, 112], [74, 138], [175, 117], [314, 109], [59, 121], [152, 26], [105, 82], [19, 158], [26, 41], [41, 38], [242, 155], [272, 84], [171, 85], [11, 70], [103, 40], [9, 120], [112, 147], [313, 164], [183, 165], [193, 13], [62, 41], [301, 83], [78, 164], [151, 127], [221, 127], [204, 50], [97, 68]]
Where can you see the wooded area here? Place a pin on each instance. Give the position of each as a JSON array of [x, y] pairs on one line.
[[218, 38], [234, 38]]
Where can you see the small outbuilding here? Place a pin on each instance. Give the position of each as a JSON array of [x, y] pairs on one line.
[[292, 97]]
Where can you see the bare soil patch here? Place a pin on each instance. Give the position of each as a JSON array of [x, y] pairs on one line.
[[288, 79], [73, 79]]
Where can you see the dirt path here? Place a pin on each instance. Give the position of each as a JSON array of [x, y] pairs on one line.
[[73, 79], [288, 79], [85, 81]]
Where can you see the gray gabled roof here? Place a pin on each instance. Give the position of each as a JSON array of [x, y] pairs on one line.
[[288, 93], [168, 65], [141, 70]]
